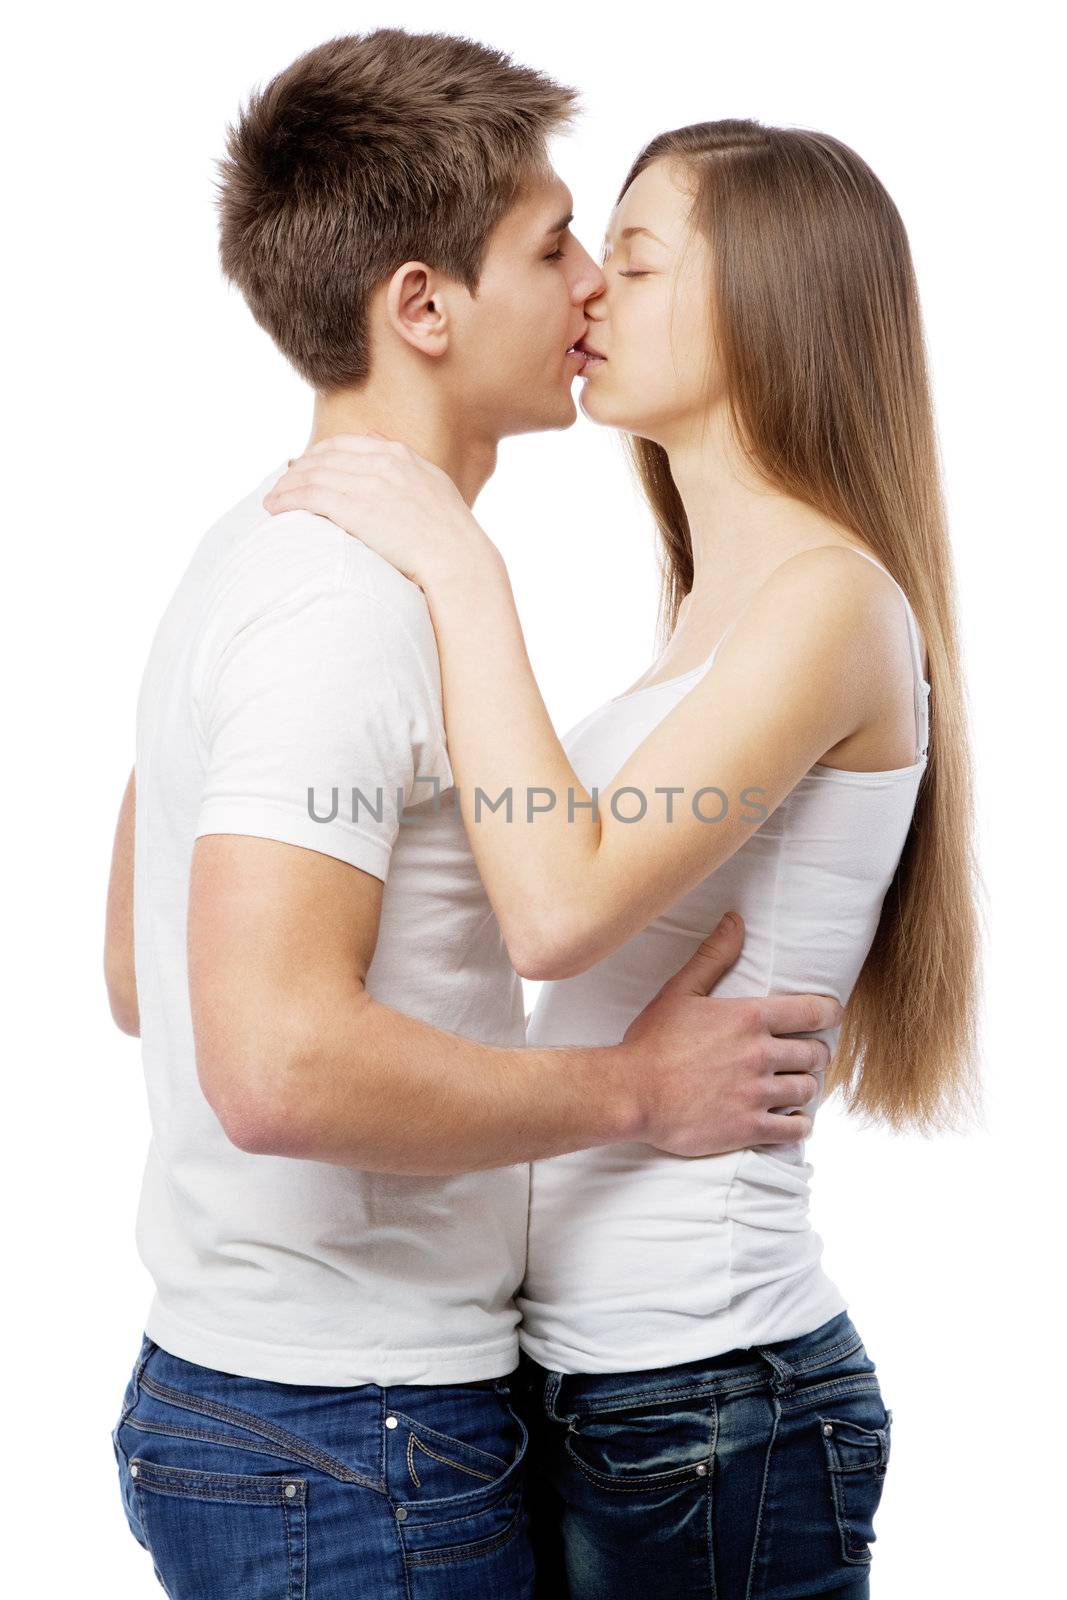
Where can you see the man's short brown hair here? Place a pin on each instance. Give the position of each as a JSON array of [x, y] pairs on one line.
[[368, 151]]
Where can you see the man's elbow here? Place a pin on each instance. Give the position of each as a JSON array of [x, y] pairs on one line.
[[254, 1112], [261, 1072], [122, 999], [126, 1016], [260, 1131]]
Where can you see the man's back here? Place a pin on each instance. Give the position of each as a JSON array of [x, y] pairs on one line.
[[292, 658]]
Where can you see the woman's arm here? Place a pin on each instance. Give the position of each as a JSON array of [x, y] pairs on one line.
[[799, 672], [803, 667]]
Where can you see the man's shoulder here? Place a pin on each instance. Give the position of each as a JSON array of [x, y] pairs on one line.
[[289, 597], [277, 560]]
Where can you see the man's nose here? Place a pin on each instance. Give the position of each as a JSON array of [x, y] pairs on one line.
[[589, 281], [589, 285]]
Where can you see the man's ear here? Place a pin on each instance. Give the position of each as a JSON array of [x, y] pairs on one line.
[[416, 307]]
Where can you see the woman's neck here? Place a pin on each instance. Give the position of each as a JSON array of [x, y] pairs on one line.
[[741, 529]]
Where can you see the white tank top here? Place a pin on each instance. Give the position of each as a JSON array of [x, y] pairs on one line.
[[640, 1259]]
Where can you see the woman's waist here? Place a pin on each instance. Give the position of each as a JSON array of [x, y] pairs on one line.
[[595, 1007], [594, 1210]]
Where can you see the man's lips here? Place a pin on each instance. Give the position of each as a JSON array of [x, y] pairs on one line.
[[582, 348]]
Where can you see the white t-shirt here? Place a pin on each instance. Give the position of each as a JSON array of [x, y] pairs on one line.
[[292, 657], [640, 1259]]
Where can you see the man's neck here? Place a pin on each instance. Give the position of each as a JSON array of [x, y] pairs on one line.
[[468, 459]]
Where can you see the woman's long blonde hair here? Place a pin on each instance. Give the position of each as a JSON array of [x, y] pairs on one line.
[[819, 343]]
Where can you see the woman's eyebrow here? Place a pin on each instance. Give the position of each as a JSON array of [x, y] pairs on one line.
[[626, 232]]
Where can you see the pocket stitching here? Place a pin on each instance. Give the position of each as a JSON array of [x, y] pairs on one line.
[[855, 1550], [830, 1389], [633, 1483], [184, 1401], [413, 1440], [450, 1440], [255, 1447], [296, 1564], [463, 1552], [242, 1488]]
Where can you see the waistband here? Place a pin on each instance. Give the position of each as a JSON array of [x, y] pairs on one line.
[[777, 1365]]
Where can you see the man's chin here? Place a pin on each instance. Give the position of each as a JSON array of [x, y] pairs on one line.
[[560, 413]]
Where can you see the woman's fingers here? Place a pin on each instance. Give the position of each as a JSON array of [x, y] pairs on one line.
[[357, 442], [353, 462], [363, 490], [369, 479], [340, 508]]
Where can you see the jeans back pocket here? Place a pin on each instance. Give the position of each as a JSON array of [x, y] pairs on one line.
[[856, 1459], [216, 1534]]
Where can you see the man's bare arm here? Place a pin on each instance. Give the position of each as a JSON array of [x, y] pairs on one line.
[[298, 1060], [118, 937]]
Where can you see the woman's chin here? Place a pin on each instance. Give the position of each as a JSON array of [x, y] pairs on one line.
[[599, 408]]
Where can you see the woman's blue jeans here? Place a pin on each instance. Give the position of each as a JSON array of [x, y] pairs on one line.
[[753, 1475]]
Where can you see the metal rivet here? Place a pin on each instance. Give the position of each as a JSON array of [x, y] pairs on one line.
[[401, 1513], [701, 1470], [290, 1490], [826, 1428], [391, 1422], [133, 1470]]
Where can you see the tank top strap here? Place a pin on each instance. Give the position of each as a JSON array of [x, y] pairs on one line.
[[921, 688]]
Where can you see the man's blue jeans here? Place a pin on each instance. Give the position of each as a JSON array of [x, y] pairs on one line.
[[250, 1490]]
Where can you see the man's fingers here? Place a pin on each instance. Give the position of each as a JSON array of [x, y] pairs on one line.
[[707, 964], [792, 1089], [800, 1013], [799, 1055], [782, 1127]]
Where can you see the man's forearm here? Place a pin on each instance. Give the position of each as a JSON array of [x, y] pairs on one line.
[[373, 1088], [119, 971]]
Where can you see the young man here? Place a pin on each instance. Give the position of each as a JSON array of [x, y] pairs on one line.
[[334, 1204]]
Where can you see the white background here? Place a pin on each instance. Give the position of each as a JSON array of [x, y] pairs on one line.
[[141, 401]]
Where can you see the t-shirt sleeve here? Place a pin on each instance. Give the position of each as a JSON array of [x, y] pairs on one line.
[[317, 719]]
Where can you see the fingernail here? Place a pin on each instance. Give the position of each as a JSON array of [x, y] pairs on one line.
[[728, 921]]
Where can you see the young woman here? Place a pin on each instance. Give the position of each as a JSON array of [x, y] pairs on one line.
[[705, 1418]]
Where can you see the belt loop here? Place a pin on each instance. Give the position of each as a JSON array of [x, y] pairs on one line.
[[553, 1387], [147, 1346], [132, 1391], [553, 1384], [784, 1378]]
